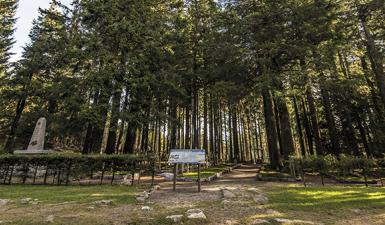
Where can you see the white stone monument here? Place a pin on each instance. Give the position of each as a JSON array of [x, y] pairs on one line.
[[36, 144]]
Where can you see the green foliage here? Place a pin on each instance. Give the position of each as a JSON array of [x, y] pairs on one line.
[[76, 166]]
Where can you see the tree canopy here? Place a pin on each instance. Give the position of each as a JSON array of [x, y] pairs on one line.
[[246, 80]]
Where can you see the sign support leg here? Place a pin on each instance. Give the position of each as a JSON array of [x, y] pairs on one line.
[[174, 185], [199, 177]]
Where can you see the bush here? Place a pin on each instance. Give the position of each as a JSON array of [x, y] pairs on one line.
[[75, 166]]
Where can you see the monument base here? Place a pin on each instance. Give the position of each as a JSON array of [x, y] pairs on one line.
[[33, 151]]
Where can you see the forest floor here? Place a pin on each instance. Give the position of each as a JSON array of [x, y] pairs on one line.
[[288, 203]]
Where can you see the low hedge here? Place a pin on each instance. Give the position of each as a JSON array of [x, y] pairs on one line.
[[66, 167], [327, 165]]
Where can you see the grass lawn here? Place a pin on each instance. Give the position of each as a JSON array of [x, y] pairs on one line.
[[326, 198], [207, 172], [329, 205], [81, 194]]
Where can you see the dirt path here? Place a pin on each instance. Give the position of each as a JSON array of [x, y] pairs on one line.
[[219, 210]]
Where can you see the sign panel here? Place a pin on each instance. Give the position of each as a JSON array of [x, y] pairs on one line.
[[190, 156]]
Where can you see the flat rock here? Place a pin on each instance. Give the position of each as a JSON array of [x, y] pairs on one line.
[[288, 221], [260, 221], [103, 202], [4, 202], [146, 208], [271, 211], [140, 199], [254, 190], [231, 222], [261, 199], [175, 218], [26, 200], [199, 215], [227, 194], [191, 211], [145, 194], [50, 219], [357, 211]]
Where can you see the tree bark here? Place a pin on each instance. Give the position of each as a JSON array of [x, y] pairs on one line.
[[271, 132]]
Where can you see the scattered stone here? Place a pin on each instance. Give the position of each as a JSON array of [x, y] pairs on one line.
[[145, 194], [4, 202], [358, 211], [227, 194], [90, 208], [140, 199], [25, 200], [195, 214], [271, 211], [261, 199], [127, 180], [175, 218], [259, 221], [156, 187], [67, 203], [231, 222], [287, 221], [199, 215], [191, 211], [103, 202], [50, 219], [146, 208], [254, 190]]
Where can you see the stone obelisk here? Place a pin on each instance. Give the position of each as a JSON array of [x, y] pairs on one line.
[[38, 136], [36, 144]]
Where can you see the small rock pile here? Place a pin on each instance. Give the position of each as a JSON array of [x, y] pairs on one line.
[[103, 202], [29, 201], [4, 202], [190, 214], [143, 196], [226, 193]]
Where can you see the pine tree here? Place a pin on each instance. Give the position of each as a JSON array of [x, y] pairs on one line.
[[7, 29]]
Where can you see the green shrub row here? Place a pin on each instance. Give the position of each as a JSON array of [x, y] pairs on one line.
[[66, 167], [343, 166]]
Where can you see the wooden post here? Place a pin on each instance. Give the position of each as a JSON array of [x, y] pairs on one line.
[[174, 185], [199, 177]]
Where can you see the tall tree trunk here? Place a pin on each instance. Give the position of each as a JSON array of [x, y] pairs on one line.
[[271, 132], [375, 56], [330, 121], [205, 144], [314, 121], [115, 107], [308, 129], [173, 123], [98, 130], [187, 142], [195, 142], [299, 127], [235, 134], [286, 133], [9, 143]]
